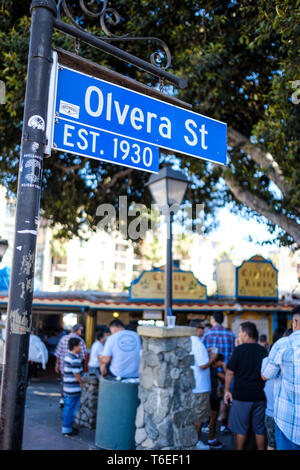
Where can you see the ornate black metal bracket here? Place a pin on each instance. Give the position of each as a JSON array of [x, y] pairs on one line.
[[111, 16]]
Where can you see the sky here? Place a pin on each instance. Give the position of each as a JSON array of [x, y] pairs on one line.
[[234, 233]]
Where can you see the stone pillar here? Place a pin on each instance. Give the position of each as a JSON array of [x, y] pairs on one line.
[[86, 415], [166, 414]]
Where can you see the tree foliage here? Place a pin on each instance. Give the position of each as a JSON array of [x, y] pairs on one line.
[[241, 60]]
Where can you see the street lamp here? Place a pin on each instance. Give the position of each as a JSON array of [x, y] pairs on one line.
[[167, 189], [3, 248]]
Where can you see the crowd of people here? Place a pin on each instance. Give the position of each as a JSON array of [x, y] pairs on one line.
[[113, 355], [252, 387]]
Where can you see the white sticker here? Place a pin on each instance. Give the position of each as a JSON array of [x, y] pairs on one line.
[[36, 122], [33, 164], [33, 232], [34, 146], [69, 109]]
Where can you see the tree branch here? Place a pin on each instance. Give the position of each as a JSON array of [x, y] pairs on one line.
[[263, 159], [290, 226], [114, 179], [67, 169]]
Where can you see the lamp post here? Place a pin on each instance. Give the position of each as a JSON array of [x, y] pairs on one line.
[[3, 248], [167, 189]]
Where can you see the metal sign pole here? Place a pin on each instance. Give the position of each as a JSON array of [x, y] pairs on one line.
[[14, 376], [169, 268]]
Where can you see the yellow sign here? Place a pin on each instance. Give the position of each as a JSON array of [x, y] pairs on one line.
[[151, 286], [257, 277]]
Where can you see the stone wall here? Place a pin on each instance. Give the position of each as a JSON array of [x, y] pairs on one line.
[[87, 411], [166, 414]]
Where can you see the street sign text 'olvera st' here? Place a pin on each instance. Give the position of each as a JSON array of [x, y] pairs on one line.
[[101, 120]]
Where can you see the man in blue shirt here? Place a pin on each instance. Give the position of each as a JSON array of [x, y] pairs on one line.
[[283, 362]]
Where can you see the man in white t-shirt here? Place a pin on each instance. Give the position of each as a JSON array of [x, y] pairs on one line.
[[121, 354], [96, 352], [202, 381]]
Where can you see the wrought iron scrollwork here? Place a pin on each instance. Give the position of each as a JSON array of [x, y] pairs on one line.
[[90, 13], [109, 16]]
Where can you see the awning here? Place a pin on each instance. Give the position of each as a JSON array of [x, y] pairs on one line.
[[77, 302]]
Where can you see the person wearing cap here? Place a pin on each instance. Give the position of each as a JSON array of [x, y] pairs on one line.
[[62, 350]]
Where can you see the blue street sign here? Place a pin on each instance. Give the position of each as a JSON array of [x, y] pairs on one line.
[[98, 119]]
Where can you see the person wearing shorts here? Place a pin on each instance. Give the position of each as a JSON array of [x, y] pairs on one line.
[[246, 413], [202, 363], [247, 398], [202, 406]]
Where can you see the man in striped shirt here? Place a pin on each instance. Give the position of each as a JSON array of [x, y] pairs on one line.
[[72, 383]]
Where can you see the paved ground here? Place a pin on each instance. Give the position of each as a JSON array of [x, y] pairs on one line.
[[42, 425], [43, 417]]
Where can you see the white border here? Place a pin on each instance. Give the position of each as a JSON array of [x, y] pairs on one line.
[[51, 104]]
